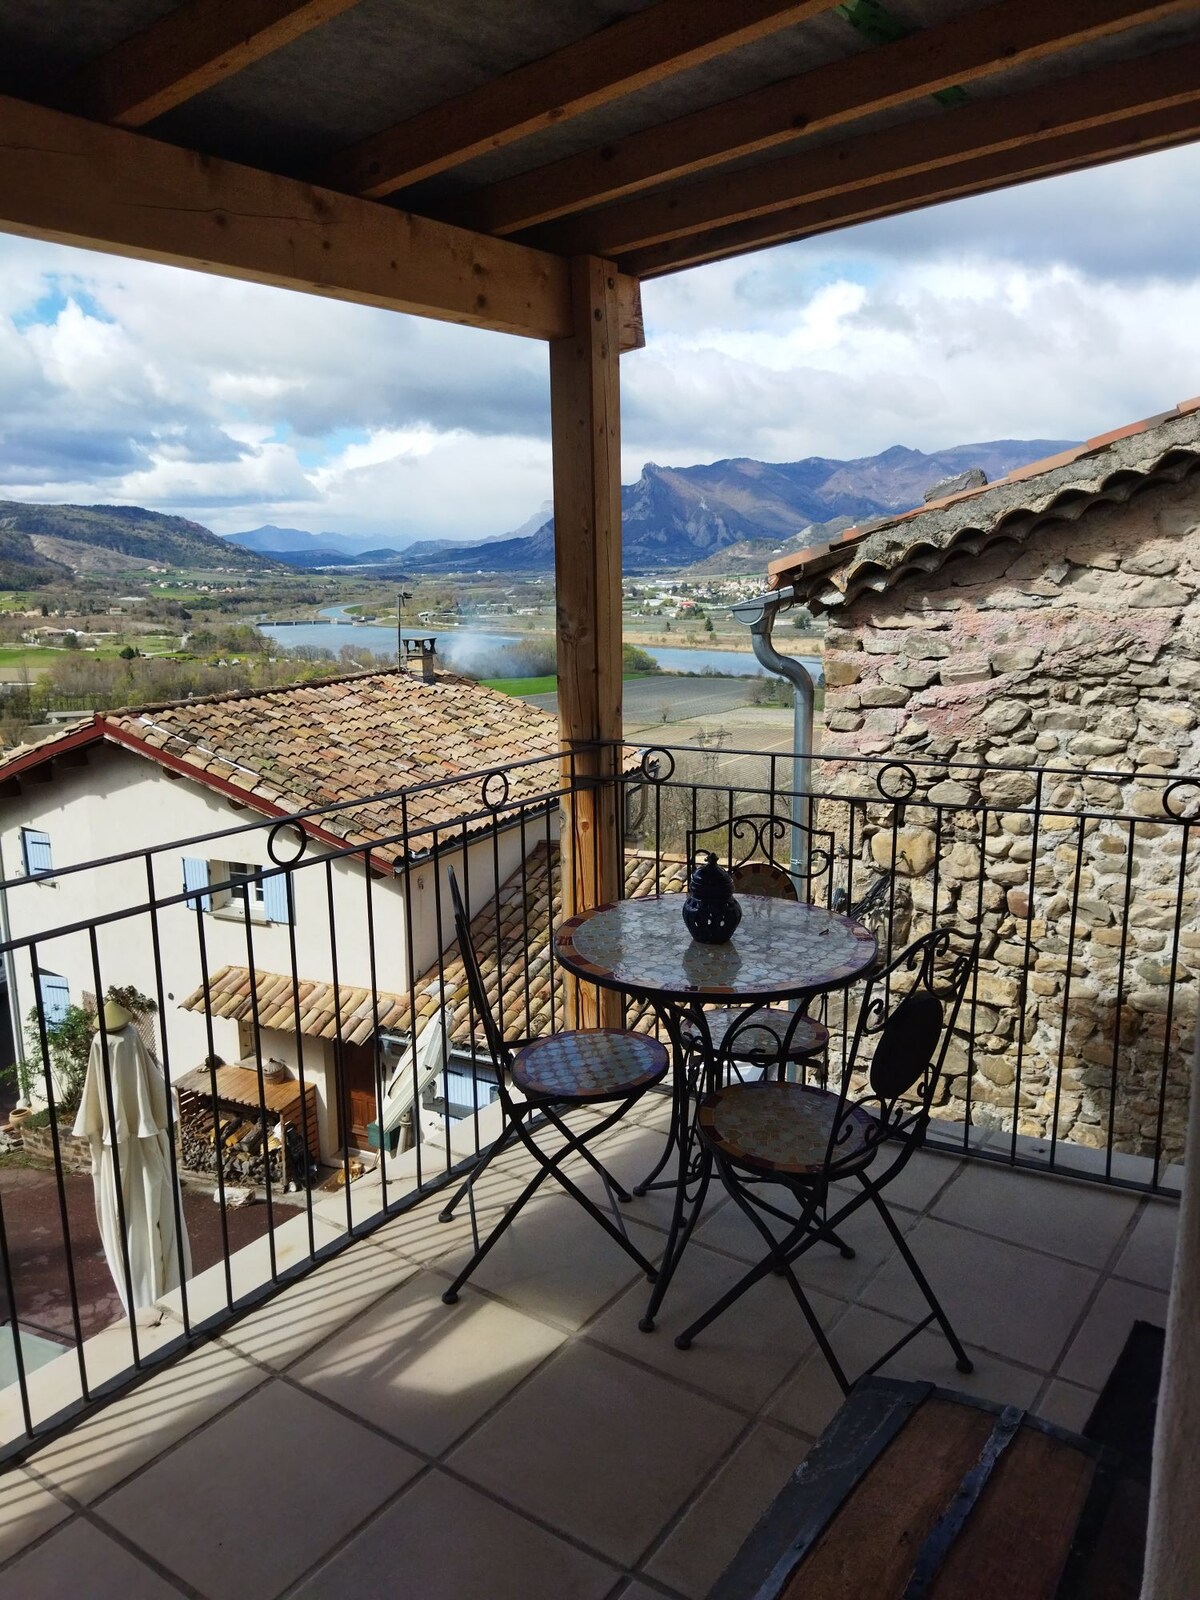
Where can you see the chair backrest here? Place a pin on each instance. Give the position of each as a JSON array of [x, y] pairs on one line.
[[908, 1014], [905, 1023], [476, 988], [757, 847]]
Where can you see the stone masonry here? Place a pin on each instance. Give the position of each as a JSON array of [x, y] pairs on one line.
[[1077, 649]]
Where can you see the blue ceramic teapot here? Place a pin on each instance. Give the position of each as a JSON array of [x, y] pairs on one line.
[[710, 910]]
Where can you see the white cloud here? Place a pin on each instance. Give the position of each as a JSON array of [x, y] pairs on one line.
[[1055, 310]]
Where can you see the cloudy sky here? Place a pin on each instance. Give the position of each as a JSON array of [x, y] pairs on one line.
[[1057, 310]]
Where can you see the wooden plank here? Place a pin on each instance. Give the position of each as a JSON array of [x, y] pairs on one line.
[[970, 47], [869, 1547], [1039, 1487], [586, 435], [77, 182], [1050, 156], [185, 52], [642, 49], [1112, 93]]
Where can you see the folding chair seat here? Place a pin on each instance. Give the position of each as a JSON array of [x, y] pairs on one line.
[[797, 1141], [555, 1075]]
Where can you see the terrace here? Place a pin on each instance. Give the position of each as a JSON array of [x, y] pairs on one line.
[[344, 1429], [544, 170]]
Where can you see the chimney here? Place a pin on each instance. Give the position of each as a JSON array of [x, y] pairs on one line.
[[422, 652]]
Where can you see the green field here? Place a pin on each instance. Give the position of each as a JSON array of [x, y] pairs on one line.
[[546, 685], [549, 684]]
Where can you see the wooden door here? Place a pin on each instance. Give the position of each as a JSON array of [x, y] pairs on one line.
[[360, 1069]]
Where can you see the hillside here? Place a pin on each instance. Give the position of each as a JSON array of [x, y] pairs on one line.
[[679, 516], [22, 566], [147, 536]]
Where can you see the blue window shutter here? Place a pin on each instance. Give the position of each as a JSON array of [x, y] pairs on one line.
[[277, 898], [56, 997], [195, 876], [35, 850]]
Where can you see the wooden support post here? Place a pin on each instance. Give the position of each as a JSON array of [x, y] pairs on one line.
[[586, 432]]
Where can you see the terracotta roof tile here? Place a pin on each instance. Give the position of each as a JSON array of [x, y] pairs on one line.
[[344, 742]]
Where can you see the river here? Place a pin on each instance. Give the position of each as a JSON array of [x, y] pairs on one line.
[[459, 648]]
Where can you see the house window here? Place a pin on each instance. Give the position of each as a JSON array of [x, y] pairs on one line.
[[267, 898], [36, 855], [246, 888]]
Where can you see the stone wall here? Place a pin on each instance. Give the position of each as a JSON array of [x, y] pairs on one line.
[[1075, 649]]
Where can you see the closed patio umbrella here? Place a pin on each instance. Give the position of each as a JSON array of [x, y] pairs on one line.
[[127, 1131]]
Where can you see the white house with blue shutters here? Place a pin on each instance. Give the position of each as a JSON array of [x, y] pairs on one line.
[[143, 831]]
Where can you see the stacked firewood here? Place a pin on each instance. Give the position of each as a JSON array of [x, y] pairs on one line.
[[236, 1144]]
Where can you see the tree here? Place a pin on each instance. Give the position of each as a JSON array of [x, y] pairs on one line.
[[708, 625], [68, 1045]]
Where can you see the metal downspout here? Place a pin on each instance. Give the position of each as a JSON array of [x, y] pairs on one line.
[[760, 615]]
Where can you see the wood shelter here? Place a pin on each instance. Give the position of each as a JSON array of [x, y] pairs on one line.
[[523, 164]]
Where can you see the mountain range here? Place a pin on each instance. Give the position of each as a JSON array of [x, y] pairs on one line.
[[681, 516]]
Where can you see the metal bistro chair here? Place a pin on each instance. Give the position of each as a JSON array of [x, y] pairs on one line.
[[771, 1035], [557, 1074], [804, 1139]]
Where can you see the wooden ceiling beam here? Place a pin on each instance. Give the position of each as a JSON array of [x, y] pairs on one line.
[[81, 183], [1010, 34], [1057, 153], [185, 52], [642, 49], [1107, 94]]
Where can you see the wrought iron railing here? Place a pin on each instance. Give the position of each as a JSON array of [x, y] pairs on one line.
[[292, 945]]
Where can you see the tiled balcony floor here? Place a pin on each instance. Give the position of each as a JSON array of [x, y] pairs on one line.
[[356, 1437]]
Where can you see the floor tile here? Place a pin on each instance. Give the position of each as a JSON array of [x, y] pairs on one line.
[[1081, 1222], [924, 1175], [630, 1154], [641, 1591], [333, 1294], [27, 1511], [271, 1485], [557, 1262], [821, 1267], [712, 1530], [1149, 1255], [421, 1236], [290, 1243], [1100, 1341], [861, 1336], [106, 1447], [425, 1371], [599, 1448], [81, 1561], [444, 1541], [742, 1357], [1020, 1304], [1067, 1405]]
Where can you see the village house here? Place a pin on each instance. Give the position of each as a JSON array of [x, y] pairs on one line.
[[338, 941], [1050, 622]]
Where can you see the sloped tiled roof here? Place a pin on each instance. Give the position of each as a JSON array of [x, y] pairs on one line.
[[526, 909], [338, 742], [1112, 466]]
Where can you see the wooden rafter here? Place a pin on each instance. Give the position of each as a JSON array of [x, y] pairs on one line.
[[186, 52], [1106, 95], [1056, 153], [639, 50], [1010, 34], [77, 182]]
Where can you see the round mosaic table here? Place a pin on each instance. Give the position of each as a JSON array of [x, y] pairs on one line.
[[783, 950]]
